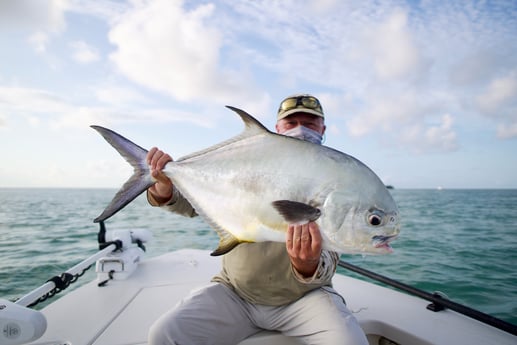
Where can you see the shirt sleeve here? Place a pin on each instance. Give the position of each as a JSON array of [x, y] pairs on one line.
[[177, 204], [325, 271]]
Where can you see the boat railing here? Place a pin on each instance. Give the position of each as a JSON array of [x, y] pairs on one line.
[[116, 258], [57, 284]]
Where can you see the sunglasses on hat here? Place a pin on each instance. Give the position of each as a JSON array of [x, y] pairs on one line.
[[302, 103], [308, 102]]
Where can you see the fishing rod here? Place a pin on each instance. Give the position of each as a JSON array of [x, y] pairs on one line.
[[438, 301]]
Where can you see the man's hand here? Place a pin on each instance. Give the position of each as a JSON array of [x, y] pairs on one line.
[[162, 189], [304, 247]]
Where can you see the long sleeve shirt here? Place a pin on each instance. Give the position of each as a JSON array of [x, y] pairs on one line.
[[261, 272]]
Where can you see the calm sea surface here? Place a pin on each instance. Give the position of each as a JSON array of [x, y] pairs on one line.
[[460, 242]]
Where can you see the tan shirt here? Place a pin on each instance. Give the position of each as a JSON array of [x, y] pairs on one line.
[[262, 272]]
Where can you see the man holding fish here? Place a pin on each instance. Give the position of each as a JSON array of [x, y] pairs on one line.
[[278, 286]]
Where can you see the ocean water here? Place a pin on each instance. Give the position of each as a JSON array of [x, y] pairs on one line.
[[459, 242]]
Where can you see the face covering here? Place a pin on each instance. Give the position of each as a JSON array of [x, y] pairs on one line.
[[304, 133]]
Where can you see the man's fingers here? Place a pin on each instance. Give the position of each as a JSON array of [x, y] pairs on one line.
[[164, 159], [298, 237], [316, 239], [150, 154], [289, 235], [157, 159], [305, 239]]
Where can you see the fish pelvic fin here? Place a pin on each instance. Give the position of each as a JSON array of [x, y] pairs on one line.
[[226, 243], [137, 183], [296, 212]]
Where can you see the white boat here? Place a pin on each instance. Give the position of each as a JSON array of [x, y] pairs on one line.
[[134, 292]]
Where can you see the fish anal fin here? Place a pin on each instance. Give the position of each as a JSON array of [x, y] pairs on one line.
[[296, 212], [226, 243]]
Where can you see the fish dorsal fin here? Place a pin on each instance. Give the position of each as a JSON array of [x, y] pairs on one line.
[[226, 243], [296, 212], [252, 127], [252, 124]]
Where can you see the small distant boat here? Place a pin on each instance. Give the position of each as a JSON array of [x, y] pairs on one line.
[[389, 186], [131, 293]]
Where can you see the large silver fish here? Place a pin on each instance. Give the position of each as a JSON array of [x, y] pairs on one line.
[[249, 188]]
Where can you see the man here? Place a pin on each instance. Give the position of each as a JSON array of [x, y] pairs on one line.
[[263, 285]]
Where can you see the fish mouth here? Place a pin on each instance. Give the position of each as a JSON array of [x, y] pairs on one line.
[[383, 242]]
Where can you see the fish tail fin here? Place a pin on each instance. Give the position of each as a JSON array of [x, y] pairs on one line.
[[137, 183]]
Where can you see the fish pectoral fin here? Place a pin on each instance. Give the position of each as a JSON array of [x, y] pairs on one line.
[[296, 212], [226, 243]]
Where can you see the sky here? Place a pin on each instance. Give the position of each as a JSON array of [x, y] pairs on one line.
[[423, 92]]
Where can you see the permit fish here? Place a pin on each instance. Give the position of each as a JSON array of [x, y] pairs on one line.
[[250, 187]]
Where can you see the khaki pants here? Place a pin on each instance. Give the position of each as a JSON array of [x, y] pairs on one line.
[[216, 315]]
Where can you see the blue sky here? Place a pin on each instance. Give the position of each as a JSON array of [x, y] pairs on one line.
[[423, 92]]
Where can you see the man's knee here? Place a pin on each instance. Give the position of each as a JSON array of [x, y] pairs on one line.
[[165, 331]]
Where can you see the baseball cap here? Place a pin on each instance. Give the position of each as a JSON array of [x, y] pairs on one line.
[[300, 103]]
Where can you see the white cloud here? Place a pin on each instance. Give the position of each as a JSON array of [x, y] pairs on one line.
[[383, 113], [392, 67], [500, 92], [442, 136], [420, 138], [42, 108], [164, 47], [117, 95], [33, 121], [33, 15], [82, 117], [498, 101], [108, 172], [322, 6], [83, 52], [39, 19], [507, 131], [27, 100], [104, 10], [474, 68], [391, 47], [375, 52], [38, 41], [404, 118]]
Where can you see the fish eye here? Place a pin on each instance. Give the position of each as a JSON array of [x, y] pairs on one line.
[[374, 219]]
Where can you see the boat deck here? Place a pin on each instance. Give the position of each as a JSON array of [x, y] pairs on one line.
[[121, 312]]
